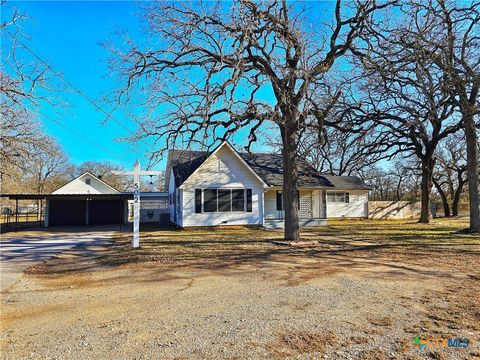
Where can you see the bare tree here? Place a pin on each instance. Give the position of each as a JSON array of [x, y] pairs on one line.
[[104, 170], [406, 95], [47, 168], [450, 173], [220, 67], [20, 78], [400, 182], [447, 33]]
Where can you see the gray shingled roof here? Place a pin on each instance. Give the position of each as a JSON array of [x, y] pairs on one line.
[[269, 167]]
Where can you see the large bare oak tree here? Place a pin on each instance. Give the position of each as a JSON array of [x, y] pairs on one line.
[[216, 68], [449, 37]]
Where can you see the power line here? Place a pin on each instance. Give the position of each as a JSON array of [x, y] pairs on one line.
[[98, 107], [84, 138]]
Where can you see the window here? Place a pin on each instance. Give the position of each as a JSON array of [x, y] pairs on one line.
[[210, 200], [198, 200], [238, 200], [88, 181], [223, 200], [280, 200], [338, 197], [249, 200]]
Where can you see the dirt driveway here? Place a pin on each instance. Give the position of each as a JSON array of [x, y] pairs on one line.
[[20, 250], [357, 292]]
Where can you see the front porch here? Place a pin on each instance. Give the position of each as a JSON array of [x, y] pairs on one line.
[[312, 208]]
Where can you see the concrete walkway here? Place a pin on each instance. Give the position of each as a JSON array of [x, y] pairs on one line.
[[20, 250]]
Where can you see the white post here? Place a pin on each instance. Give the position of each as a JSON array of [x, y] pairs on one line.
[[136, 205], [136, 198]]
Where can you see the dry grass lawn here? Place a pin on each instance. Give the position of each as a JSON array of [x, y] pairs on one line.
[[355, 289]]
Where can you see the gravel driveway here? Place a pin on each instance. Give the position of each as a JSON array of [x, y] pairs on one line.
[[234, 294], [20, 250]]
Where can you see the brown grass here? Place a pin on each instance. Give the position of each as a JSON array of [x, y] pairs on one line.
[[378, 250], [384, 321], [373, 354], [304, 342]]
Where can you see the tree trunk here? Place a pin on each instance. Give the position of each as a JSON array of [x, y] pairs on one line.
[[446, 208], [426, 186], [290, 183], [472, 170], [456, 196]]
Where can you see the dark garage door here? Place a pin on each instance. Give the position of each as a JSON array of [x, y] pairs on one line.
[[67, 212], [105, 212]]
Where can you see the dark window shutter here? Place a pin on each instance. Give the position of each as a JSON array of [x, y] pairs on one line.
[[249, 200], [347, 197], [279, 200], [298, 199], [198, 200]]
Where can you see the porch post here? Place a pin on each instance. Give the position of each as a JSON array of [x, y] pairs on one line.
[[16, 214], [46, 214]]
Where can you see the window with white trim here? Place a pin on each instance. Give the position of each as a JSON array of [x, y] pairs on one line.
[[338, 197], [223, 200]]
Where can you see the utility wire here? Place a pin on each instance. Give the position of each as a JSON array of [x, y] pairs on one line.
[[84, 138], [98, 107]]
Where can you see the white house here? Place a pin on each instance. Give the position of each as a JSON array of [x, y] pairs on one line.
[[226, 187]]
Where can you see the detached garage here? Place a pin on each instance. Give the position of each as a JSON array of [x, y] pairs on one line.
[[86, 210], [86, 200]]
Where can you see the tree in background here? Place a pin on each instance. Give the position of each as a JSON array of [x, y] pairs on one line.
[[400, 182], [104, 171], [405, 94], [21, 136], [447, 33], [450, 175], [220, 67], [48, 170]]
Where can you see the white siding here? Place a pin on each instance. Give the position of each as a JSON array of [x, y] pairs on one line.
[[80, 186], [357, 207], [222, 170], [310, 197], [271, 211]]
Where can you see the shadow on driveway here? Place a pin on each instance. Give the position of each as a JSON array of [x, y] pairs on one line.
[[20, 250]]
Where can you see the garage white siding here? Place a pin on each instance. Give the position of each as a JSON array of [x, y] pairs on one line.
[[86, 184], [356, 208], [222, 170]]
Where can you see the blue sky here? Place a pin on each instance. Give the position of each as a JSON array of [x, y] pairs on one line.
[[67, 35]]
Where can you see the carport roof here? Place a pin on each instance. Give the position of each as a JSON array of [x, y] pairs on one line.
[[64, 196], [119, 196]]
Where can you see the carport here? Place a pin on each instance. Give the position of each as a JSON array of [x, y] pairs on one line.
[[81, 209]]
